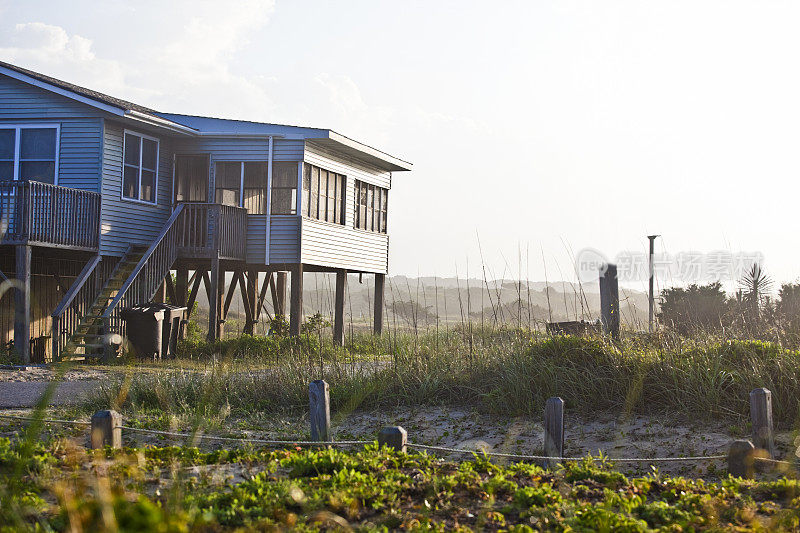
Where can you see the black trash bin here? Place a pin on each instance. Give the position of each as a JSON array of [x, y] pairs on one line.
[[153, 329]]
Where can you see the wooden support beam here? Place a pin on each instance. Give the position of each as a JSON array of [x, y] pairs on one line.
[[279, 296], [380, 287], [237, 277], [268, 282], [171, 292], [22, 302], [249, 297], [213, 289], [338, 310], [181, 292], [296, 306], [198, 278]]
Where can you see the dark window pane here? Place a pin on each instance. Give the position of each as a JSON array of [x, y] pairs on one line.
[[149, 154], [228, 175], [130, 182], [282, 201], [7, 141], [131, 149], [37, 143], [313, 211], [43, 171], [148, 185], [255, 175], [6, 170], [284, 174]]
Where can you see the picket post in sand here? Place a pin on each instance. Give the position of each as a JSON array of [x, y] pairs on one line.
[[319, 410], [554, 430], [761, 418], [105, 430]]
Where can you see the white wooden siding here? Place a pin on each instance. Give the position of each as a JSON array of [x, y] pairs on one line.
[[337, 246], [123, 222]]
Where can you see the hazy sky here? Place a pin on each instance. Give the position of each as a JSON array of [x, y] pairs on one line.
[[536, 126]]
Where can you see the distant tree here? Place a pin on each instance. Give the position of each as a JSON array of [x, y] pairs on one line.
[[754, 287], [788, 308], [694, 308]]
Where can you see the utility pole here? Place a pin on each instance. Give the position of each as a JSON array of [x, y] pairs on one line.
[[651, 299]]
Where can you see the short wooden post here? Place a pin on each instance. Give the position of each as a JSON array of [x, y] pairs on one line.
[[740, 458], [609, 300], [761, 418], [394, 437], [554, 430], [319, 410], [106, 430]]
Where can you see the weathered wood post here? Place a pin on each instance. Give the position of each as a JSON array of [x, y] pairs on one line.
[[380, 289], [279, 296], [609, 300], [106, 430], [338, 314], [22, 305], [319, 410], [296, 303], [740, 458], [554, 430], [761, 418], [394, 437]]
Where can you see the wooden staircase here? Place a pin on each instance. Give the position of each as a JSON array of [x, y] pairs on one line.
[[87, 340]]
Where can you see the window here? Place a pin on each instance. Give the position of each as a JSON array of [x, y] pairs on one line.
[[28, 153], [371, 207], [140, 167], [323, 194], [242, 184], [284, 188]]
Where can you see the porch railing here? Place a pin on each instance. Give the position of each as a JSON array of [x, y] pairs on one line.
[[208, 229], [40, 213]]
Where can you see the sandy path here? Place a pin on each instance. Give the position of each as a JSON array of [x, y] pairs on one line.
[[17, 394]]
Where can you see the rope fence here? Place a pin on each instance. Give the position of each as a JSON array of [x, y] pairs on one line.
[[106, 430]]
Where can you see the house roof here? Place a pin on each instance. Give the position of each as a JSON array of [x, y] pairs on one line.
[[206, 126]]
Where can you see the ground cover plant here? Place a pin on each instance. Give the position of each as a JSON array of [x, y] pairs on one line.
[[60, 486]]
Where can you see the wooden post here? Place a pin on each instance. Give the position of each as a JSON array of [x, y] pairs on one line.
[[740, 458], [296, 307], [279, 298], [394, 437], [609, 300], [554, 430], [22, 302], [338, 312], [252, 301], [380, 287], [761, 417], [106, 430], [319, 410], [214, 307], [181, 295]]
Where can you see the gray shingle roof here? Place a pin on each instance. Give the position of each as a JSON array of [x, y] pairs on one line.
[[83, 91]]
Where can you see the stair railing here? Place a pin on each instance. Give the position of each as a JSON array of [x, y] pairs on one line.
[[149, 272], [75, 304]]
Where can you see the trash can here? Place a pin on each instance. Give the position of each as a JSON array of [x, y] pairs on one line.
[[153, 329]]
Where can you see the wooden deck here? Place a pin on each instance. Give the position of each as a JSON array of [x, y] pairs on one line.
[[41, 214]]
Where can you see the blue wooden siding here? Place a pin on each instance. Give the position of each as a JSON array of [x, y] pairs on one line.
[[284, 243], [80, 142], [123, 222]]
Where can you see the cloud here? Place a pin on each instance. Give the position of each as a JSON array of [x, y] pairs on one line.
[[184, 67]]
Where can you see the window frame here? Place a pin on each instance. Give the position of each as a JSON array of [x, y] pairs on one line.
[[340, 207], [297, 188], [373, 211], [142, 137], [18, 126], [241, 163]]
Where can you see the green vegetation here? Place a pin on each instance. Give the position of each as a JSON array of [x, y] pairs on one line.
[[499, 370], [61, 487]]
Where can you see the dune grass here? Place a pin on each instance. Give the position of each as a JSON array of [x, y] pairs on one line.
[[496, 370]]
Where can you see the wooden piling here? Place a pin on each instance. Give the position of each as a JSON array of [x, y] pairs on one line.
[[319, 410], [394, 437], [761, 418], [740, 458], [22, 303], [554, 430], [338, 312], [380, 289], [106, 430]]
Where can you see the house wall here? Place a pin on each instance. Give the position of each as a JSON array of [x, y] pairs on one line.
[[80, 141], [285, 233], [343, 246], [122, 221]]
